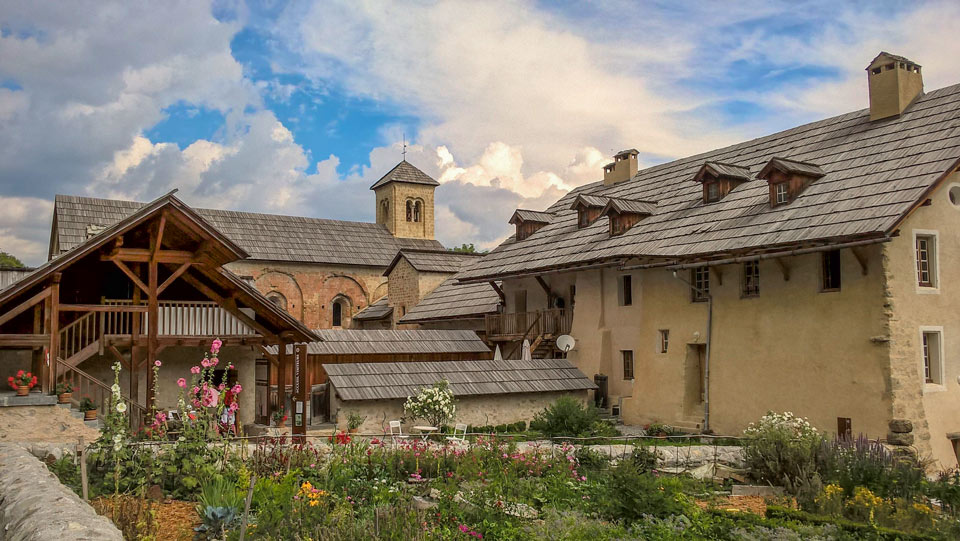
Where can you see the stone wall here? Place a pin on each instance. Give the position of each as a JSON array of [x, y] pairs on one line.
[[49, 423], [472, 410], [35, 506]]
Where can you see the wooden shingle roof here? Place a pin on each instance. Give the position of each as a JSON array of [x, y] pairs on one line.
[[405, 172], [393, 341], [527, 215], [380, 381], [444, 261], [377, 310], [876, 172], [269, 237], [453, 300]]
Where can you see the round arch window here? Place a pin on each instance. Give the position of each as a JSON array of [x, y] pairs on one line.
[[278, 299], [340, 311], [954, 194]]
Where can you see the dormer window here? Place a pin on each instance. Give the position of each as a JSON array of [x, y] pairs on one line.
[[529, 222], [788, 178], [719, 179], [588, 209], [625, 213]]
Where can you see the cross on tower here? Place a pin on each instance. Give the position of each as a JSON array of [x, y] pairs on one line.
[[404, 147]]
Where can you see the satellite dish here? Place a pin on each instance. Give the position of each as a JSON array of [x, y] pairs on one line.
[[565, 342]]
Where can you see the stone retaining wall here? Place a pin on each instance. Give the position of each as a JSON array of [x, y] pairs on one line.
[[35, 506]]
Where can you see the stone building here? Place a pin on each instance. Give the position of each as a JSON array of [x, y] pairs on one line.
[[321, 271], [814, 270]]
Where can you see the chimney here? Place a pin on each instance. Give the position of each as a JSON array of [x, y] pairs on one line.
[[894, 83], [623, 167]]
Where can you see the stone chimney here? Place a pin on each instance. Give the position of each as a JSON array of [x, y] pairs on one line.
[[894, 83], [623, 167]]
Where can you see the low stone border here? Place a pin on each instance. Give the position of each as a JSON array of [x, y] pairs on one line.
[[34, 505]]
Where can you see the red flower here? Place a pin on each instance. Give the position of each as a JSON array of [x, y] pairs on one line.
[[20, 373]]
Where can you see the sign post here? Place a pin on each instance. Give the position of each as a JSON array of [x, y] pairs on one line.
[[299, 393]]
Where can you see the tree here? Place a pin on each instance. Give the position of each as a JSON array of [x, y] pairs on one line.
[[467, 249], [10, 261]]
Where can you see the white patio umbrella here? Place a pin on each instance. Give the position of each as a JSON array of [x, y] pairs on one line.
[[525, 351], [497, 356]]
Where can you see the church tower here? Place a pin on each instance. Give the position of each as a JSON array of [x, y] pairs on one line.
[[404, 199]]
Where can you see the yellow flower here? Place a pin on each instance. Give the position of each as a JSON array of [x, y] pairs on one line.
[[313, 503]]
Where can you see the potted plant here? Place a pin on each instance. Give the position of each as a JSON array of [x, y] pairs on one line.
[[354, 420], [89, 409], [279, 417], [22, 382], [64, 392]]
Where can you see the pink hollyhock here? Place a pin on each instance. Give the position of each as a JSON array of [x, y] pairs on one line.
[[220, 387], [196, 389], [236, 389], [194, 369], [234, 406], [210, 398], [205, 363], [182, 383], [214, 361], [157, 363], [215, 346]]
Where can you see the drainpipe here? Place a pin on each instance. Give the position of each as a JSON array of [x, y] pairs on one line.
[[706, 357]]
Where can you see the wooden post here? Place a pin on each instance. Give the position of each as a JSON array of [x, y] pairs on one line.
[[152, 329], [282, 375], [84, 488], [36, 364], [246, 507], [136, 321], [299, 401], [50, 371]]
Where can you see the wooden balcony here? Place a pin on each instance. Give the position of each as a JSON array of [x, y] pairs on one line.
[[179, 318], [520, 325]]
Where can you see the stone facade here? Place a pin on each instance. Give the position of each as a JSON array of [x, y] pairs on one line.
[[472, 410], [406, 286], [392, 201], [36, 506]]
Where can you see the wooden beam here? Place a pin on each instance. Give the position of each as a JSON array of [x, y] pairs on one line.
[[861, 258], [118, 308], [176, 274], [546, 288], [499, 290], [784, 268], [23, 340], [133, 277], [153, 325], [117, 355], [157, 240], [51, 372], [143, 255], [25, 305]]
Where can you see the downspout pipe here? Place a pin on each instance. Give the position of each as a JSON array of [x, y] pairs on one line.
[[706, 356]]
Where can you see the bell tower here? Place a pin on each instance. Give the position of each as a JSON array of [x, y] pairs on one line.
[[404, 202]]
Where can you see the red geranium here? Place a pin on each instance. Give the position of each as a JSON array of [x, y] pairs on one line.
[[22, 379]]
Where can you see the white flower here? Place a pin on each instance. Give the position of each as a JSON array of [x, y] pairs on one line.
[[117, 438], [117, 446], [122, 407], [115, 388]]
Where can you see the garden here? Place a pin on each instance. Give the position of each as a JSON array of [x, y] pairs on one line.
[[495, 486]]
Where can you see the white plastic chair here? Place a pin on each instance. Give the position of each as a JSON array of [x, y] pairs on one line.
[[462, 430], [398, 435]]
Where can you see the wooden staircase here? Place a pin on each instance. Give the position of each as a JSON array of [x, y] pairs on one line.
[[81, 339], [85, 385]]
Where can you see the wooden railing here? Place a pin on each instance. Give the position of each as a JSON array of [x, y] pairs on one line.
[[543, 322], [79, 335], [180, 318], [86, 386]]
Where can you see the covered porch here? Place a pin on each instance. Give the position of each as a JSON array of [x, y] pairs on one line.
[[152, 282]]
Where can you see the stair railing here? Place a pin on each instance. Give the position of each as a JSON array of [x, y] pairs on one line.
[[86, 386], [79, 334]]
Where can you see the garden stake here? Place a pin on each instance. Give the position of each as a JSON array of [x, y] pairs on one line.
[[246, 507], [83, 473]]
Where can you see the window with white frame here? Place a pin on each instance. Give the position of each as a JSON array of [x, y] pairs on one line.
[[932, 356], [926, 260], [700, 280], [664, 340], [781, 193]]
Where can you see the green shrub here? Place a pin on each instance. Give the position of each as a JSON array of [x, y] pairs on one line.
[[782, 449], [568, 417], [629, 495], [861, 530], [642, 459], [866, 463]]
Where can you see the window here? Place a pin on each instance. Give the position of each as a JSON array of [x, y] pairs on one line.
[[926, 260], [831, 270], [932, 367], [751, 279], [385, 209], [664, 340], [417, 211], [627, 364], [781, 193], [625, 291], [409, 210], [278, 299], [700, 279], [337, 314], [583, 219], [713, 191], [573, 296]]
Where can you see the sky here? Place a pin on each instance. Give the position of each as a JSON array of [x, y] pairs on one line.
[[294, 107]]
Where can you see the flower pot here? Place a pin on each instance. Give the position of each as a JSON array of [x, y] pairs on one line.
[[90, 415], [23, 390], [352, 430], [64, 398]]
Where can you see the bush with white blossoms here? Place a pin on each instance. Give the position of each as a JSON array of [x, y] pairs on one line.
[[435, 404], [782, 449]]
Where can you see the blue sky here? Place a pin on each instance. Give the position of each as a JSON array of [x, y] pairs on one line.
[[297, 107]]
